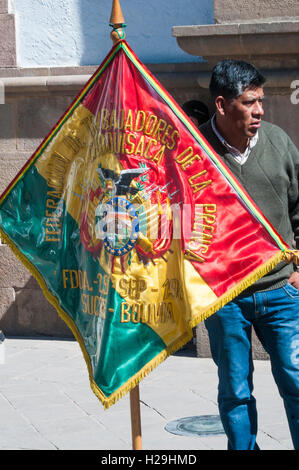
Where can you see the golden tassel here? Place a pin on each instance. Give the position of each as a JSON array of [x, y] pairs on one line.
[[291, 256]]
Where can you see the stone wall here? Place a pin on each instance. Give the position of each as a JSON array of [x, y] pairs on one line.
[[34, 101], [25, 119], [235, 11], [7, 36], [36, 98]]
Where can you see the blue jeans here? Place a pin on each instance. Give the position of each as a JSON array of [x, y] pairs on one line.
[[274, 315]]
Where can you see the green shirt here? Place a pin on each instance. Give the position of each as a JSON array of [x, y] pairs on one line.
[[270, 176]]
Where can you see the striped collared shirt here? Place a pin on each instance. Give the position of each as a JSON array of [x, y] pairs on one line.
[[240, 157]]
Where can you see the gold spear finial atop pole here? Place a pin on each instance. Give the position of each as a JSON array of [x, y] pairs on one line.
[[117, 22]]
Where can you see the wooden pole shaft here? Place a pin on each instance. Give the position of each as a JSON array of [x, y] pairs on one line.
[[135, 419]]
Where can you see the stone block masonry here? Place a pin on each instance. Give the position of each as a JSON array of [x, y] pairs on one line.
[[7, 37], [3, 6]]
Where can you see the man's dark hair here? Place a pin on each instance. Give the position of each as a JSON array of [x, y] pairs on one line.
[[231, 77]]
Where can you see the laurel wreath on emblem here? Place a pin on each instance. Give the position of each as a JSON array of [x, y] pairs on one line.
[[110, 219]]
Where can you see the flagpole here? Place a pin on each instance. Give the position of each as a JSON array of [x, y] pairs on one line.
[[135, 419], [117, 22]]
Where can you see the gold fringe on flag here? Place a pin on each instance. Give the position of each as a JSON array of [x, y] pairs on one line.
[[288, 256]]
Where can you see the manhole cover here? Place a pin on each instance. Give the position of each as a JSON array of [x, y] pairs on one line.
[[207, 425]]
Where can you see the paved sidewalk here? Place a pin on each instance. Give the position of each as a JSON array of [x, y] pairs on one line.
[[46, 402]]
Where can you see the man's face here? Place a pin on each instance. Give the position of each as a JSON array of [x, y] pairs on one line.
[[244, 114]]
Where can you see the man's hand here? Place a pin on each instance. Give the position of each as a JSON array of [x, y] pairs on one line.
[[294, 279]]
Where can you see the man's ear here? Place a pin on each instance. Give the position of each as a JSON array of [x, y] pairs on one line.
[[220, 105]]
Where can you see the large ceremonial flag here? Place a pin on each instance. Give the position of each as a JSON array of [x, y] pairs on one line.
[[132, 225]]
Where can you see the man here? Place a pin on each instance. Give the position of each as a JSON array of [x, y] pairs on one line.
[[266, 162]]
